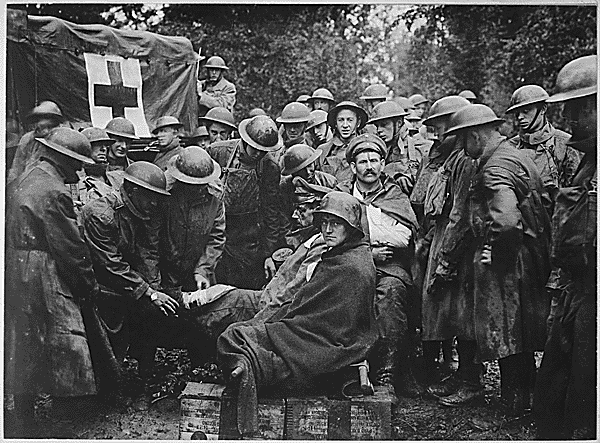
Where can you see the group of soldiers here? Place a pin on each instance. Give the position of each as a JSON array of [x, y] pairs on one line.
[[291, 249]]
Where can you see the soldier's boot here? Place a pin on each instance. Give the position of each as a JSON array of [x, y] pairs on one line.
[[515, 383], [143, 398], [431, 352], [465, 379], [387, 365], [447, 366], [406, 383], [469, 389]]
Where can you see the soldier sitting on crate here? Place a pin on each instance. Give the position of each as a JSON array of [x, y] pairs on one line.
[[328, 325]]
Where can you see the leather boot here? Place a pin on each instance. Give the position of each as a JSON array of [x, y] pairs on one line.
[[515, 383]]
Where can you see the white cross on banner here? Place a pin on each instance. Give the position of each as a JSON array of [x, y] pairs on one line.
[[115, 90]]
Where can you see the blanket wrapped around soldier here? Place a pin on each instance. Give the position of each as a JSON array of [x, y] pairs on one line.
[[328, 326]]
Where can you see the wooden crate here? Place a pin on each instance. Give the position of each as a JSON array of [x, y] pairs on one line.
[[205, 408]]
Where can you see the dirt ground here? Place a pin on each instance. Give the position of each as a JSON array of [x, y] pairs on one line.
[[413, 419]]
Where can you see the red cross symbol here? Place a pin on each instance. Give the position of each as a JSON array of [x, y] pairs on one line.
[[115, 96]]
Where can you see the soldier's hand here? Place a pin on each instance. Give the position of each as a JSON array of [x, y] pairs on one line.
[[405, 183], [201, 281], [381, 254], [270, 268], [486, 255], [165, 303]]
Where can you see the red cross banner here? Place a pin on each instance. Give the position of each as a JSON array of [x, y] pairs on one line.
[[95, 73], [115, 90]]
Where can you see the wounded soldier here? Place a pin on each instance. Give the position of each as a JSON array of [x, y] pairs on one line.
[[328, 325]]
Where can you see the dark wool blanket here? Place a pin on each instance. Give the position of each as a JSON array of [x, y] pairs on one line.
[[328, 326]]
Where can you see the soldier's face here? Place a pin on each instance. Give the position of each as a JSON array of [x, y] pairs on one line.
[[367, 167], [324, 105], [203, 142], [385, 129], [420, 110], [119, 148], [219, 132], [43, 126], [166, 135], [307, 173], [346, 122], [440, 125], [335, 231], [527, 116], [251, 155], [144, 200], [294, 130], [99, 152], [321, 132], [471, 143], [214, 75], [303, 212], [581, 114], [371, 103]]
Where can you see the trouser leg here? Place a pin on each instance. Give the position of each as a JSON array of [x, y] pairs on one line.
[[515, 381]]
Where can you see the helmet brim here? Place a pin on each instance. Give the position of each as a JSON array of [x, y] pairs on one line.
[[304, 164], [174, 125], [244, 135], [292, 120], [216, 120], [455, 129], [143, 184], [122, 134], [320, 212], [360, 112], [398, 115], [180, 176], [525, 103], [224, 68], [65, 151], [373, 97], [570, 95], [320, 97], [39, 115]]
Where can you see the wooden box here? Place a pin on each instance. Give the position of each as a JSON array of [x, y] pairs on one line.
[[205, 408]]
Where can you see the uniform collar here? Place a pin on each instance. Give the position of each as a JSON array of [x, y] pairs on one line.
[[538, 137]]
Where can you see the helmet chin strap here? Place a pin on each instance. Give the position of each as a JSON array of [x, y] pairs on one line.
[[534, 121]]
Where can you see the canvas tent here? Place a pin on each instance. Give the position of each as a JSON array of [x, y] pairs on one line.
[[95, 72]]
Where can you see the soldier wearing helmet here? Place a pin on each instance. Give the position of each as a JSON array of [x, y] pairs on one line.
[[215, 90], [318, 131], [200, 138], [345, 120], [293, 120], [122, 230], [545, 145], [403, 158], [469, 95], [328, 325], [372, 96], [300, 161], [440, 197], [43, 118], [322, 99], [251, 184], [167, 131], [220, 124], [122, 132], [391, 226], [511, 231], [565, 398], [305, 100], [48, 276]]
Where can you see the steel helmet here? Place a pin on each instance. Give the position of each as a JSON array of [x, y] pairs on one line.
[[576, 79], [219, 115], [305, 192], [317, 117], [405, 103], [527, 95], [294, 112], [97, 135], [298, 157], [148, 176], [255, 111], [388, 109], [261, 133], [167, 121], [445, 106], [69, 142], [412, 117], [323, 94], [471, 116], [216, 62], [193, 165], [417, 99], [360, 113], [375, 92], [303, 98], [365, 142], [121, 127], [343, 205], [200, 131], [45, 109], [469, 95]]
